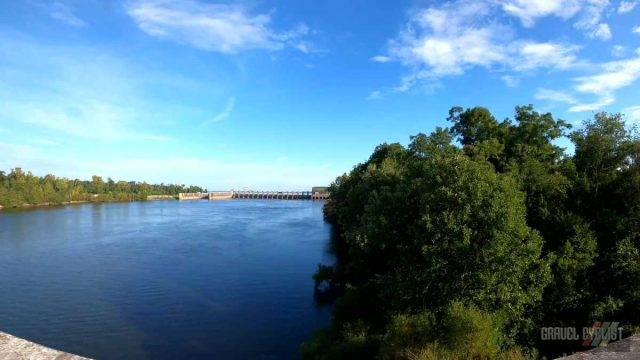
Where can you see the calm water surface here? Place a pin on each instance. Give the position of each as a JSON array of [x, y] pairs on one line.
[[222, 280]]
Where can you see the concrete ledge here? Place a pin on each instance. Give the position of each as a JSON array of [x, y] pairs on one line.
[[628, 348], [13, 348]]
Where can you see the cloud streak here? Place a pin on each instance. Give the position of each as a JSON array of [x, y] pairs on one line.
[[224, 114], [633, 113], [609, 78], [626, 6], [63, 13], [219, 27], [528, 11], [100, 101]]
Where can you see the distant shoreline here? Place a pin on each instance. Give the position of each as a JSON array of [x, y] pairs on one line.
[[65, 203]]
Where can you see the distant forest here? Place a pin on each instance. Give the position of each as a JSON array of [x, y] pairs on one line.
[[18, 188], [471, 240]]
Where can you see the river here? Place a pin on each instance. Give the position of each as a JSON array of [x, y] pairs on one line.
[[165, 279]]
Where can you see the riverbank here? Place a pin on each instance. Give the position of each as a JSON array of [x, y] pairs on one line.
[[15, 348], [47, 204], [97, 201]]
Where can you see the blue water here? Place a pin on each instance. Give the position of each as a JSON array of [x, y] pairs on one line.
[[164, 280]]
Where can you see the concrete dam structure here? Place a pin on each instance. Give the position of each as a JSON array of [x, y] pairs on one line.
[[316, 193]]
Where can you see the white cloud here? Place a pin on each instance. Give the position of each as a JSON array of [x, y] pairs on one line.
[[618, 51], [528, 11], [63, 13], [636, 30], [592, 106], [590, 19], [602, 32], [588, 12], [603, 84], [375, 95], [217, 27], [611, 77], [510, 81], [626, 6], [565, 98], [632, 113], [381, 58], [547, 54], [555, 95], [446, 40], [304, 47], [451, 38], [224, 114]]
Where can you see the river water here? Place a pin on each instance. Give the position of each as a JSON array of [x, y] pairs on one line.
[[164, 280]]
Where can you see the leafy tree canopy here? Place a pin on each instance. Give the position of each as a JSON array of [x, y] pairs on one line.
[[504, 229]]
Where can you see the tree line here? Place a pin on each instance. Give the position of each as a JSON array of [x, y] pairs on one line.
[[19, 188], [470, 240]]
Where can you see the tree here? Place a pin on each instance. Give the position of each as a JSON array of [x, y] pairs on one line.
[[18, 188], [508, 226], [97, 185]]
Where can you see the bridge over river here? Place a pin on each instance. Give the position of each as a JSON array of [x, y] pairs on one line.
[[316, 193]]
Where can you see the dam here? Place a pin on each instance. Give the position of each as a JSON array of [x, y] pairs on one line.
[[316, 193]]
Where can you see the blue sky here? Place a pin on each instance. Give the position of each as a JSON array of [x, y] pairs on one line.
[[288, 94]]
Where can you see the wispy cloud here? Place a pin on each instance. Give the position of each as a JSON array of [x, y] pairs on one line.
[[375, 95], [603, 84], [449, 39], [224, 114], [555, 95], [593, 106], [612, 76], [531, 55], [63, 13], [85, 119], [381, 58], [618, 51], [89, 94], [632, 113], [588, 13], [220, 27], [510, 80], [626, 6], [590, 19], [528, 11]]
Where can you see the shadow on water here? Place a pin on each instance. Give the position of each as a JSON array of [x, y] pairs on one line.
[[328, 284]]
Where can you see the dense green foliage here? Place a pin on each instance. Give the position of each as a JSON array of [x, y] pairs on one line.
[[18, 188], [468, 241]]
